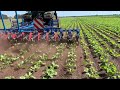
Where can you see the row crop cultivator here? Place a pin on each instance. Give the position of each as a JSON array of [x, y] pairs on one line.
[[42, 26]]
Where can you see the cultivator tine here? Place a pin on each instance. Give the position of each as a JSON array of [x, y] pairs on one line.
[[34, 36], [51, 35], [30, 36], [61, 34], [26, 36], [14, 36], [39, 36], [23, 34], [44, 36], [55, 36], [65, 35], [19, 35], [47, 37], [70, 35], [9, 36]]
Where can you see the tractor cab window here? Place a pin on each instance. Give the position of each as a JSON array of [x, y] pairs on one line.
[[48, 15]]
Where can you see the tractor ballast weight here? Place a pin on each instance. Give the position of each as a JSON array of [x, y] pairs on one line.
[[38, 28]]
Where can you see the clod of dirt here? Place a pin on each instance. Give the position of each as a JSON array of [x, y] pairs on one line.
[[16, 69], [22, 57], [11, 65]]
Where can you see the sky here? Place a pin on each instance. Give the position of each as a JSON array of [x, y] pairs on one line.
[[69, 13]]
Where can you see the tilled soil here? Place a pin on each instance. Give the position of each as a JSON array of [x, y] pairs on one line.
[[39, 49]]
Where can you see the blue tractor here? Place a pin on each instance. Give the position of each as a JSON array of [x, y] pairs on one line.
[[37, 25]]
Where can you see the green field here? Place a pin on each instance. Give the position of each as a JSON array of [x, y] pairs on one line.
[[7, 23]]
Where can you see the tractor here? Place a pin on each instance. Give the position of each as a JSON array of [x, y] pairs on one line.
[[37, 25]]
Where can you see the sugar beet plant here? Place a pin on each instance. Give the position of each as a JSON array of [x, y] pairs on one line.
[[50, 71], [10, 77], [60, 49], [7, 60], [71, 60], [34, 67]]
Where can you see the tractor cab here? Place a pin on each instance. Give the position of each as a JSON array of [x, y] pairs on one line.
[[27, 17], [52, 17], [49, 17]]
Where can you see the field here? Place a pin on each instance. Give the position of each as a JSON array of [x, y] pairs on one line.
[[7, 23], [96, 57]]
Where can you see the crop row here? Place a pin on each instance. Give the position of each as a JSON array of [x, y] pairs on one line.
[[109, 68]]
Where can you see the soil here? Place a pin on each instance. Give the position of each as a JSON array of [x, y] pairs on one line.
[[40, 48], [4, 45]]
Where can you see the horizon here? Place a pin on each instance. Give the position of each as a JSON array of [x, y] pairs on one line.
[[69, 13]]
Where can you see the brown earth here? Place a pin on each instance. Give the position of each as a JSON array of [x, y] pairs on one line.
[[39, 49]]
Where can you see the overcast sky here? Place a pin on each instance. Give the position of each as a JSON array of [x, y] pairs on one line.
[[70, 13]]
